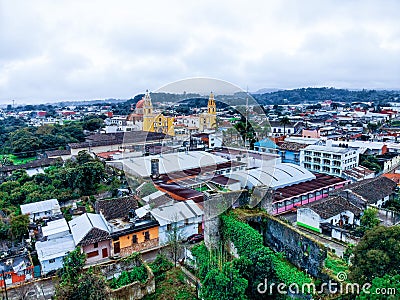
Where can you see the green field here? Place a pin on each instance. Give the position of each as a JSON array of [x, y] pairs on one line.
[[16, 160]]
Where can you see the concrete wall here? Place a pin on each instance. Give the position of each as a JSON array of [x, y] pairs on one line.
[[301, 250], [308, 219], [185, 230], [214, 205], [133, 291]]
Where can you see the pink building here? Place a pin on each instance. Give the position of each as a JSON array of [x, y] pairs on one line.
[[311, 133], [90, 231]]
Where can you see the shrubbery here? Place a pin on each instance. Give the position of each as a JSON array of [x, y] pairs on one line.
[[128, 277]]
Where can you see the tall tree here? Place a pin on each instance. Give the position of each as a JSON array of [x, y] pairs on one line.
[[369, 219], [377, 254], [19, 226], [284, 121], [174, 239]]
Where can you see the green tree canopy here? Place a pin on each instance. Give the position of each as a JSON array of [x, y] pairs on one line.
[[377, 254], [369, 219], [19, 225], [382, 288], [224, 284]]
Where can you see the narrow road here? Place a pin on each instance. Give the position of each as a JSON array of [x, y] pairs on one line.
[[330, 243], [38, 290]]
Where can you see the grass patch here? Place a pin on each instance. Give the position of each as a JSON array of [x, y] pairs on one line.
[[128, 277], [334, 265], [172, 287], [202, 188], [17, 160]]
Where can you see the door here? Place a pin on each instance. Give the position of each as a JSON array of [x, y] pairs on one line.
[[104, 252], [200, 228], [117, 248]]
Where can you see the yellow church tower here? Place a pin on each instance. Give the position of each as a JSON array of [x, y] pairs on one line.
[[156, 122], [148, 116], [209, 120]]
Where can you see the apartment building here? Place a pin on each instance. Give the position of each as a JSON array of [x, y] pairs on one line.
[[328, 159]]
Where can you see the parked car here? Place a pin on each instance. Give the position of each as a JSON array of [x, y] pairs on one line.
[[195, 238]]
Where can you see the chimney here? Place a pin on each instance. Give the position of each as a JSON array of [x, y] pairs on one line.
[[155, 168]]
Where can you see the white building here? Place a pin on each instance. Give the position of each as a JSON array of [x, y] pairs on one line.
[[334, 211], [55, 229], [41, 209], [328, 159], [187, 215], [52, 252]]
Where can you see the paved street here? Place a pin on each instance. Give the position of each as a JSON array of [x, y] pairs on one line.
[[329, 242], [38, 290]]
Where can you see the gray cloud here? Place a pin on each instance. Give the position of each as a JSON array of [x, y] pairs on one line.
[[57, 50]]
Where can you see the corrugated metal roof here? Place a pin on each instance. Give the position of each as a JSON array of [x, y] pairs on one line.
[[55, 248], [40, 206], [83, 224], [54, 227]]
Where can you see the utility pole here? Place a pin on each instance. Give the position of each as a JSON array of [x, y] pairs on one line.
[[5, 285]]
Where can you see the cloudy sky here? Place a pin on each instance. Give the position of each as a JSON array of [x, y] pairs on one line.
[[67, 50]]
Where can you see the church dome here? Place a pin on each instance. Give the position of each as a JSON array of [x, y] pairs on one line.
[[140, 104]]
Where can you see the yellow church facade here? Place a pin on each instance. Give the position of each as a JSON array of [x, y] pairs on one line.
[[208, 120], [156, 122]]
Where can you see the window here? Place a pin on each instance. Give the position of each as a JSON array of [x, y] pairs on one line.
[[96, 245], [51, 261], [92, 254], [134, 239], [147, 236], [169, 227]]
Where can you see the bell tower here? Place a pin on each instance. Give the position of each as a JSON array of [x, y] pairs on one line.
[[147, 106], [212, 108], [148, 117]]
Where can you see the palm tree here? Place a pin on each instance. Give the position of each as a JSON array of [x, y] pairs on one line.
[[284, 121]]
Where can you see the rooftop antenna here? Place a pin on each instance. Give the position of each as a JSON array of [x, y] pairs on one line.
[[247, 116]]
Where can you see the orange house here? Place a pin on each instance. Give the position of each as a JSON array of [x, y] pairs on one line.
[[142, 236], [129, 232]]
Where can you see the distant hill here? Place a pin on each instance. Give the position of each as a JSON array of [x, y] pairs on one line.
[[266, 90], [302, 95]]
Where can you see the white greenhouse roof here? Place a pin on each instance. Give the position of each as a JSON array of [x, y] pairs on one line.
[[280, 175], [171, 162]]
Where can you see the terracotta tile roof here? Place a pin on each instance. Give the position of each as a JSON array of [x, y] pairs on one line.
[[291, 146], [374, 189], [332, 206], [57, 153], [393, 176], [160, 200], [119, 138], [95, 235], [116, 208]]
